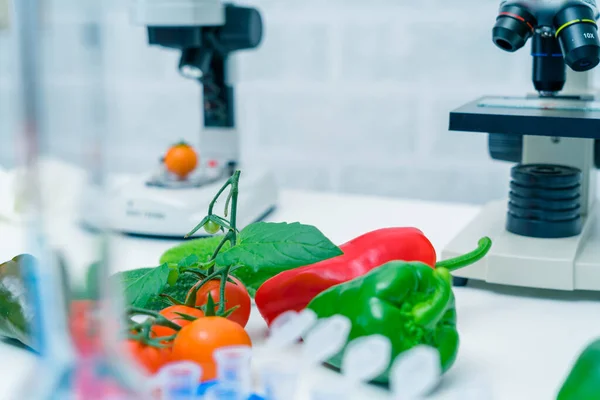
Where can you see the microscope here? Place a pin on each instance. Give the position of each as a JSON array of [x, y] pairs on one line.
[[206, 33], [546, 232]]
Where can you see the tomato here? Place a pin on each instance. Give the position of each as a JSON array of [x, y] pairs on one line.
[[171, 313], [150, 358], [211, 227], [197, 341], [236, 294], [181, 159], [81, 327]]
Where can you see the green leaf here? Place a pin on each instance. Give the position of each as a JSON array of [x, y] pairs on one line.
[[178, 292], [188, 261], [278, 246], [202, 248], [209, 307], [16, 313], [252, 279], [173, 275], [140, 285]]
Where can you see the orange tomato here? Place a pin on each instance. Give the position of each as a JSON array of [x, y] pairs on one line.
[[197, 341], [150, 358], [172, 313], [181, 159], [236, 294]]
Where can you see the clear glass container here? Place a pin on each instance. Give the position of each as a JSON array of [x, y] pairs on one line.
[[97, 97], [71, 313]]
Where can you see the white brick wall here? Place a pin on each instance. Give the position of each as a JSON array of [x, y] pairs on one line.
[[343, 95]]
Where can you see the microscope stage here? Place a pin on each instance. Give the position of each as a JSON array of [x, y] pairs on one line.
[[138, 208], [553, 116], [561, 264]]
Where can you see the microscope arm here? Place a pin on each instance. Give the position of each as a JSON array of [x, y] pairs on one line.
[[207, 32], [219, 138]]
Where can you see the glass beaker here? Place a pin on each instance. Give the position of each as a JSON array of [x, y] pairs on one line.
[[73, 317]]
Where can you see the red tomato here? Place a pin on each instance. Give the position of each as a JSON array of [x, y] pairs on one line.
[[81, 326], [172, 314], [197, 341], [236, 294], [150, 358]]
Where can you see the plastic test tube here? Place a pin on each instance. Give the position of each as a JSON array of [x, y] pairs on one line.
[[415, 372], [179, 381], [234, 370], [280, 380], [365, 358]]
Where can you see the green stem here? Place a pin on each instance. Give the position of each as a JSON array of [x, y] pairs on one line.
[[159, 319], [198, 285], [211, 269], [135, 326], [453, 264], [197, 227], [199, 274], [146, 331], [197, 266], [214, 200], [226, 209], [235, 180], [223, 282]]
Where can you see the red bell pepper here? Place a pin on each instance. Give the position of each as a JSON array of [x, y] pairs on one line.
[[295, 288]]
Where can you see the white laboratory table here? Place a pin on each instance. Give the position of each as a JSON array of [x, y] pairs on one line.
[[519, 342]]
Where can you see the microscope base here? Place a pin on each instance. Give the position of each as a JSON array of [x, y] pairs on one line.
[[560, 264], [139, 209]]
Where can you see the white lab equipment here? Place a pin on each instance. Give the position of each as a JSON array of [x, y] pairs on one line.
[[280, 380], [234, 369], [545, 232], [322, 339], [178, 381], [208, 33], [220, 392], [290, 327], [415, 373], [327, 337], [72, 363], [365, 358]]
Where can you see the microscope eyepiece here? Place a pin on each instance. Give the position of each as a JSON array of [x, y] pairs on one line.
[[577, 33], [514, 26]]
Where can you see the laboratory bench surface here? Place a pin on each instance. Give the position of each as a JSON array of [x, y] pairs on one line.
[[519, 342]]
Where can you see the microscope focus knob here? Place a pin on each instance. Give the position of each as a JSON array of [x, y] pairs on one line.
[[544, 201]]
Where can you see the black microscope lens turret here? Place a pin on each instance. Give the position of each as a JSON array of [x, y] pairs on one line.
[[549, 69], [514, 26], [577, 33]]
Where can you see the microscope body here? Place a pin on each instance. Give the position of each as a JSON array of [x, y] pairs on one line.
[[206, 33], [546, 233]]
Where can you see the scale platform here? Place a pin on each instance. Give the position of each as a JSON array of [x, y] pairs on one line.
[[138, 206]]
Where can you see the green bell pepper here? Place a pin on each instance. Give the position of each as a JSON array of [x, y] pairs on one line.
[[409, 302], [583, 382]]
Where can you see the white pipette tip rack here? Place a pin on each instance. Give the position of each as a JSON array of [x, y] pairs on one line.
[[415, 372], [366, 358]]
